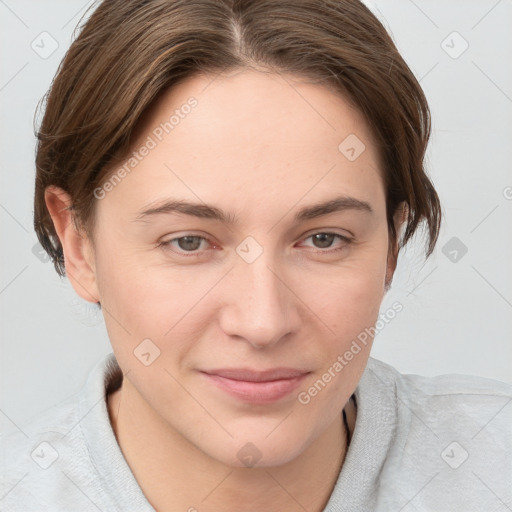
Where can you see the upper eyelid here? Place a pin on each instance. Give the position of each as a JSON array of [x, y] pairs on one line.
[[307, 235]]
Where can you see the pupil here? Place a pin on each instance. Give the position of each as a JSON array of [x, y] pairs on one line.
[[189, 243], [325, 239]]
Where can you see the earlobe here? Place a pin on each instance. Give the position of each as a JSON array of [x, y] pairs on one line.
[[77, 247]]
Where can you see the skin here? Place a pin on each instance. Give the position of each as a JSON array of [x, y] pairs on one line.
[[260, 146]]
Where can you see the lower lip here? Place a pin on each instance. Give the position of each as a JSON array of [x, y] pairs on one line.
[[257, 392]]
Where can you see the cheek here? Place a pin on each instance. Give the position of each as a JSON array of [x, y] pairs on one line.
[[349, 297], [130, 297], [142, 302], [351, 317], [350, 307]]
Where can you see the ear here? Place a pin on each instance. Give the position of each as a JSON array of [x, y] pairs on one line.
[[77, 248], [399, 218]]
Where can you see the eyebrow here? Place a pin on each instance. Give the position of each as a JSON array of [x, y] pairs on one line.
[[205, 211]]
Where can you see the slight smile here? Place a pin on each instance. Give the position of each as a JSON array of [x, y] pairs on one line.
[[257, 387]]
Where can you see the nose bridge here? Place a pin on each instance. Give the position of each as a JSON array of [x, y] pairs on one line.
[[261, 308]]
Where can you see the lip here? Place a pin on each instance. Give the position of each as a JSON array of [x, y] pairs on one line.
[[256, 387]]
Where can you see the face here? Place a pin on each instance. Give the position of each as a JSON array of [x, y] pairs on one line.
[[224, 320]]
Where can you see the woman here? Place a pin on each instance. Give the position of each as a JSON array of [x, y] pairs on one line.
[[231, 183]]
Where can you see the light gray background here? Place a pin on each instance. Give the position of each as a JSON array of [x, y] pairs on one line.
[[457, 315]]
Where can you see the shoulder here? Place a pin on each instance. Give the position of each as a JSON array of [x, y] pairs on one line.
[[45, 462], [30, 455], [468, 403], [451, 437], [451, 383], [461, 390]]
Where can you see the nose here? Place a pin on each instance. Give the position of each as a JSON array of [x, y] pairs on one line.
[[261, 307]]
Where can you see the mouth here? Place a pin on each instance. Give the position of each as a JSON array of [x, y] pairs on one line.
[[256, 387]]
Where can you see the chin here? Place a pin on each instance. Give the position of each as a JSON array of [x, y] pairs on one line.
[[263, 451]]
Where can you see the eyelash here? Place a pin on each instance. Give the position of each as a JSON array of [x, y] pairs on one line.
[[165, 244]]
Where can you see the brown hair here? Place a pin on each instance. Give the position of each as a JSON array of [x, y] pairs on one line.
[[129, 51]]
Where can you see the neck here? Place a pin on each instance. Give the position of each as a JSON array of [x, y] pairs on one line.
[[175, 475]]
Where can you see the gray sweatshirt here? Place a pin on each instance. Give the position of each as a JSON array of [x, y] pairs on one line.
[[419, 444]]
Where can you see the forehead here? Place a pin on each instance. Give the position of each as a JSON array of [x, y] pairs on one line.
[[262, 135], [256, 108]]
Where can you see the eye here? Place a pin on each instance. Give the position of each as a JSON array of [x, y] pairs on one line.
[[324, 240], [188, 245], [195, 245]]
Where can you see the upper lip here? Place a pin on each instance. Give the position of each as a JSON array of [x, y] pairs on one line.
[[249, 375]]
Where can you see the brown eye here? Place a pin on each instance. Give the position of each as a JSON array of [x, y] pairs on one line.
[[325, 240], [189, 243]]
